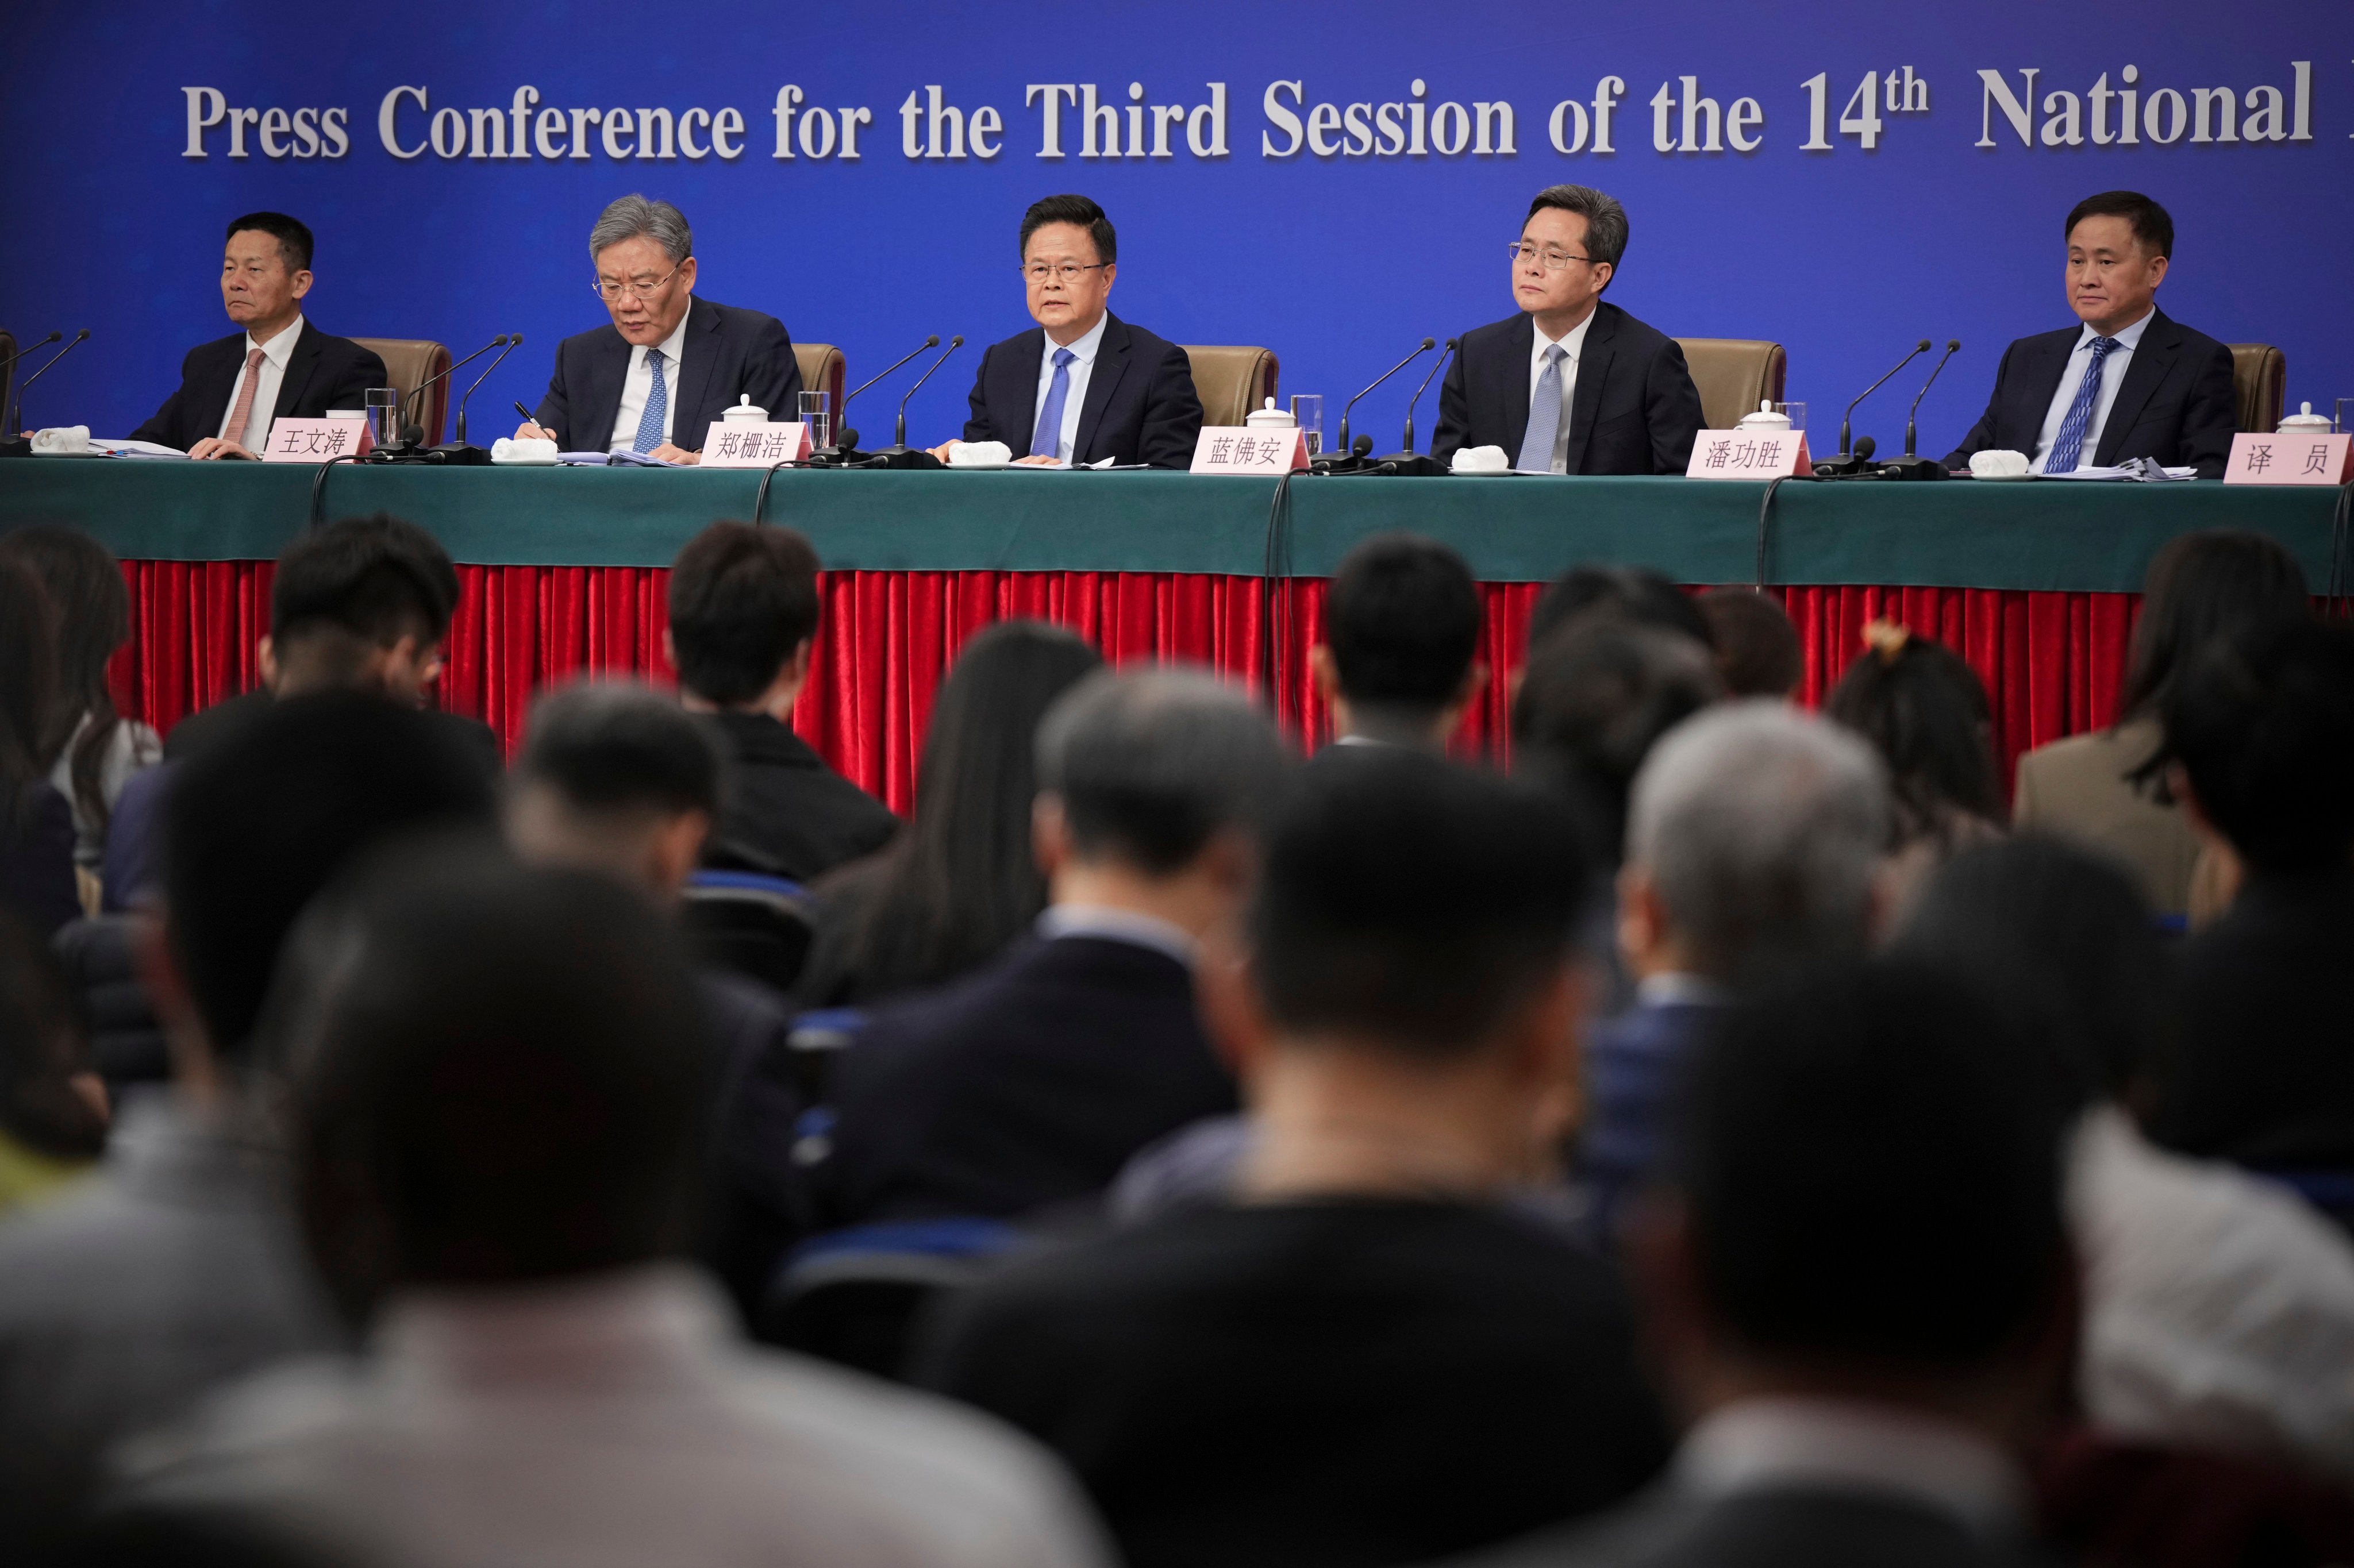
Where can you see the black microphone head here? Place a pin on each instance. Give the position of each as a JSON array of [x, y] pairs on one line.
[[1924, 348], [847, 440], [1864, 448], [955, 342], [1952, 345], [1450, 344], [1360, 447], [45, 342], [514, 340], [1430, 343], [933, 341], [78, 336], [412, 435]]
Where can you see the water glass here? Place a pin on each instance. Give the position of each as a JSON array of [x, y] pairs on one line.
[[383, 405], [1794, 412], [2341, 417], [1308, 413], [817, 413]]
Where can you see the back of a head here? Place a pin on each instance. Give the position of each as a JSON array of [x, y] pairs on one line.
[[1413, 903], [256, 825], [2214, 585], [1150, 766], [501, 1073], [43, 1048], [2264, 727], [361, 584], [28, 691], [1762, 829], [1402, 620], [1925, 711], [1757, 648], [1638, 593], [85, 587], [741, 600], [1870, 1189], [618, 747]]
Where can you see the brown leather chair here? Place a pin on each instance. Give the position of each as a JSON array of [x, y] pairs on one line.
[[1734, 375], [409, 362], [2260, 375], [1231, 381], [822, 370], [8, 374]]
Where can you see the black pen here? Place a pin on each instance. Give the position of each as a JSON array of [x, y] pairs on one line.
[[528, 417]]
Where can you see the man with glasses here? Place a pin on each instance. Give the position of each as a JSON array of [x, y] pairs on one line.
[[1570, 385], [1082, 385], [672, 363]]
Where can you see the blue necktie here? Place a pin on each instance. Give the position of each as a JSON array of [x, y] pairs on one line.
[[1047, 440], [650, 423], [2068, 446], [1544, 415]]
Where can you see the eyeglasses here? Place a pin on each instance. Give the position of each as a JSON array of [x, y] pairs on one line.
[[1067, 273], [1555, 260], [644, 288]]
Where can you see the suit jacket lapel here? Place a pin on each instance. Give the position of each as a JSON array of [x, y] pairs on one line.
[[699, 356], [1015, 391], [2152, 358], [299, 366], [1523, 341], [1593, 366], [208, 398], [608, 372], [2039, 384], [1103, 377]]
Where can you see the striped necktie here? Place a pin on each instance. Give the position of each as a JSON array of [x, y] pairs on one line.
[[650, 423], [2068, 446]]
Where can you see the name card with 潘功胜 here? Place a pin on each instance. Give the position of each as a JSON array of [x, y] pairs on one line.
[[316, 440], [2261, 459], [743, 444], [1240, 448], [1749, 454]]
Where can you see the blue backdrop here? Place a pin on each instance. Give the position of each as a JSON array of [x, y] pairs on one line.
[[1948, 225]]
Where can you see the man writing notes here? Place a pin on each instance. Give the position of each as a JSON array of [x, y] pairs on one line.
[[1570, 385], [1082, 385], [279, 367], [2128, 383], [672, 363]]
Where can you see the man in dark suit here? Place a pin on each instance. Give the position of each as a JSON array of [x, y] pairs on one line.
[[278, 367], [743, 627], [2130, 381], [1083, 386], [1570, 385], [671, 363]]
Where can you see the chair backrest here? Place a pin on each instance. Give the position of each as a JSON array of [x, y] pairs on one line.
[[2260, 376], [854, 1297], [822, 370], [1734, 375], [1231, 380], [756, 925], [410, 362]]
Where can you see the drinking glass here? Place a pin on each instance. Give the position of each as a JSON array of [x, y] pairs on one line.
[[2341, 417], [383, 405], [817, 413], [1794, 412], [1308, 413]]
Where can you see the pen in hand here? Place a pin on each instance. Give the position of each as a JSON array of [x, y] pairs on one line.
[[531, 419]]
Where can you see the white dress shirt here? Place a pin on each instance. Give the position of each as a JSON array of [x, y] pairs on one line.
[[638, 384], [1771, 1442], [1572, 344], [273, 375], [1119, 926], [2112, 375], [1084, 363]]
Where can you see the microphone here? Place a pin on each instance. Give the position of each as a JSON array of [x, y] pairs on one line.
[[8, 427], [1849, 464], [514, 341], [1444, 354], [412, 436], [1909, 466], [900, 454], [842, 446], [24, 349], [1407, 460], [1347, 447]]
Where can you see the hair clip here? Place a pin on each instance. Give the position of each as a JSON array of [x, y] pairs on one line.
[[1887, 639]]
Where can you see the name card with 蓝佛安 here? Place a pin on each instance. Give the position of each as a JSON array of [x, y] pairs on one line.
[[316, 440], [2261, 459], [742, 444], [1240, 448], [1749, 454]]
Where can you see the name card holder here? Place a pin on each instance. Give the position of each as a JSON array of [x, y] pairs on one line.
[[742, 444], [1749, 454], [2261, 459], [316, 441], [1240, 448]]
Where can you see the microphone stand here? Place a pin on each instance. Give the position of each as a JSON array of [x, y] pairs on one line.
[[900, 454], [458, 451], [1407, 460], [11, 443], [1851, 463], [8, 394], [412, 447], [845, 451], [1348, 458], [1908, 466]]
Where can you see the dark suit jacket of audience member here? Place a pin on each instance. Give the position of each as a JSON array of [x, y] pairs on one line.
[[1634, 409], [787, 813], [746, 1220], [1029, 1084], [322, 373], [2177, 403], [1770, 1528], [2265, 1073], [36, 887], [728, 352], [1336, 1383], [1632, 1065], [1141, 405], [201, 730]]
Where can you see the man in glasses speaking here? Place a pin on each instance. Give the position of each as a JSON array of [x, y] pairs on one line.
[[670, 364], [1570, 385]]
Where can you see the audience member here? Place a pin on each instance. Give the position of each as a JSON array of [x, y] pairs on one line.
[[1367, 1356], [179, 1266], [1757, 648], [37, 837], [1752, 852], [743, 626], [1860, 1284], [1032, 1081], [1399, 664], [962, 882], [1638, 593], [499, 1104], [53, 1110]]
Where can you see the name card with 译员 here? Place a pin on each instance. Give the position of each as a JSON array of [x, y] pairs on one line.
[[2261, 459], [742, 444], [316, 440], [1240, 448], [1749, 454]]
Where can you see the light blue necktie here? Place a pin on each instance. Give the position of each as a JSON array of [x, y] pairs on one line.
[[2068, 446], [1047, 440], [1544, 414], [650, 423]]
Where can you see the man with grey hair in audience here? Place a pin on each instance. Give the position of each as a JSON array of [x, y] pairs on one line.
[[1754, 846], [1031, 1083], [671, 363]]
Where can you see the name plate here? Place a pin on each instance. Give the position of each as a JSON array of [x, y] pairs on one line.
[[316, 441], [2260, 459], [1241, 448], [1749, 454], [741, 444]]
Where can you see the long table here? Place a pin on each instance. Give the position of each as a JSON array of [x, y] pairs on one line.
[[563, 570]]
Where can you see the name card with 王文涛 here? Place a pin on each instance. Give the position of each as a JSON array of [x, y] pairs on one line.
[[2261, 459], [316, 440], [1240, 448], [740, 443], [1749, 454]]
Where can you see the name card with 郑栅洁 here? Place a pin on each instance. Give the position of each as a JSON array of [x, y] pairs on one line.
[[740, 443], [316, 440], [1749, 454], [2261, 459], [1240, 448]]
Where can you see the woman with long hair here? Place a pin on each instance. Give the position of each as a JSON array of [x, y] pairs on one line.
[[37, 873]]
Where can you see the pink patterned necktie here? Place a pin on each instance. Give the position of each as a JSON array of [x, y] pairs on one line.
[[233, 432]]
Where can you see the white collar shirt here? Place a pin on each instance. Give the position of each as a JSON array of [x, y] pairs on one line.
[[1774, 1443], [1573, 345], [2112, 375], [1082, 366], [1109, 924], [638, 384], [275, 354]]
